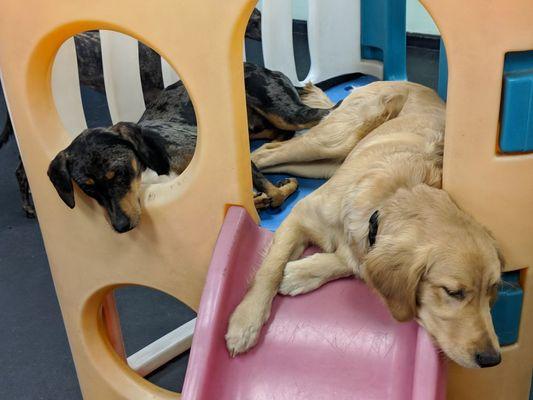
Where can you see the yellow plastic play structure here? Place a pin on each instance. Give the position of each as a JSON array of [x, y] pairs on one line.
[[171, 248], [496, 189]]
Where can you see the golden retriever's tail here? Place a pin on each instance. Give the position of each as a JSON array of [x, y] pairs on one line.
[[312, 96]]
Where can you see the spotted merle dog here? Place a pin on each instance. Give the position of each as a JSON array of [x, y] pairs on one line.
[[89, 56], [107, 163]]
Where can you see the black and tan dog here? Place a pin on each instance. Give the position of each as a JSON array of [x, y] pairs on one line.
[[106, 163]]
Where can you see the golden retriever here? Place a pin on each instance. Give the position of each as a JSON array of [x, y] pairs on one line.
[[384, 218]]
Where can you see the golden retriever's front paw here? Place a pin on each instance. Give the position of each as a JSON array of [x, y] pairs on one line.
[[243, 330], [298, 278], [261, 157]]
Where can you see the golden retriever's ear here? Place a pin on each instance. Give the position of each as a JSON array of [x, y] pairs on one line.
[[394, 271], [394, 103]]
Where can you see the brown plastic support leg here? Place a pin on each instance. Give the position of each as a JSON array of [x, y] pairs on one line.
[[112, 324]]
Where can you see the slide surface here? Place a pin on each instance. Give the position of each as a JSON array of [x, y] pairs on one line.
[[336, 343]]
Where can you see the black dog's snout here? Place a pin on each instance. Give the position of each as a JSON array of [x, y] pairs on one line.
[[121, 223], [488, 358]]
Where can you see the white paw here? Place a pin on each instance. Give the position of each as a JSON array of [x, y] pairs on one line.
[[258, 157], [298, 279], [243, 329], [261, 156]]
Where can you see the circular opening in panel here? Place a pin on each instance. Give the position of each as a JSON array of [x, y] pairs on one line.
[[151, 331], [131, 120]]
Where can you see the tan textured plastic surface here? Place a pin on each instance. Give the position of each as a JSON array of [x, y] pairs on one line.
[[171, 248], [496, 189]]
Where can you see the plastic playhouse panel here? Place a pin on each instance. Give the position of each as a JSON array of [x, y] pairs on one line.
[[516, 131], [338, 342], [171, 248], [496, 189]]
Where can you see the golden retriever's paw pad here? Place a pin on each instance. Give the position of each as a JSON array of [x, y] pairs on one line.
[[298, 279]]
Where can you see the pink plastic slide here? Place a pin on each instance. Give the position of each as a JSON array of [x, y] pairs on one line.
[[336, 343]]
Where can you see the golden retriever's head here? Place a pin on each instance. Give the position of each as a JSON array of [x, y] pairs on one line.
[[433, 262]]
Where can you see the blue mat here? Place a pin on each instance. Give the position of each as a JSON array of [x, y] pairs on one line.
[[272, 218]]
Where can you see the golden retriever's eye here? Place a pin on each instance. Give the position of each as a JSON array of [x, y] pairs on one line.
[[456, 294]]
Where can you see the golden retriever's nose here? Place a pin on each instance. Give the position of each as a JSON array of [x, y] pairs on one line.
[[488, 358]]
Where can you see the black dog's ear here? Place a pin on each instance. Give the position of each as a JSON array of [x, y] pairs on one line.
[[59, 174], [148, 146]]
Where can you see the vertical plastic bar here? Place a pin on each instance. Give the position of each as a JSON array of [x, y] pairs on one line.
[[334, 30], [120, 59], [112, 324], [169, 75], [443, 72], [66, 88], [276, 31]]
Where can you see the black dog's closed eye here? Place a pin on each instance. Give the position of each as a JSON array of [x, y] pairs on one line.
[[456, 294]]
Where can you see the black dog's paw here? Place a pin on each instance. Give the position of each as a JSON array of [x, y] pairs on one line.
[[29, 210], [261, 200], [288, 181]]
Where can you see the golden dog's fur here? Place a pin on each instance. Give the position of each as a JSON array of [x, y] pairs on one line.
[[431, 261]]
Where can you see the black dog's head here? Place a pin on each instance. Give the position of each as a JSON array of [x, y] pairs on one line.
[[106, 163]]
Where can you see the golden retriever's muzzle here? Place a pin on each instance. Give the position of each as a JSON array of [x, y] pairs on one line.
[[488, 358]]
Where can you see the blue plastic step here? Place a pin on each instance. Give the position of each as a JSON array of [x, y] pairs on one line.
[[516, 133], [508, 308]]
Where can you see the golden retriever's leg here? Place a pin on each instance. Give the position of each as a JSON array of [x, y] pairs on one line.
[[307, 274], [335, 136], [298, 149], [320, 169], [246, 321]]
